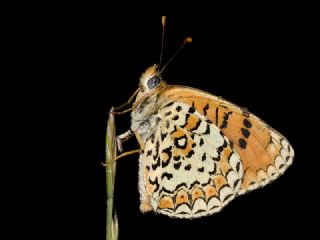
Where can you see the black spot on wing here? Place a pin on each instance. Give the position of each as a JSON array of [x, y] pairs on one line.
[[215, 206], [225, 120], [168, 113], [192, 109], [177, 165], [238, 167], [217, 159], [245, 132], [183, 213], [167, 175], [152, 138], [157, 150], [201, 169], [168, 104], [201, 142], [204, 157], [176, 158], [207, 130], [149, 152], [155, 182], [199, 211], [167, 210], [224, 124], [163, 136], [193, 184], [190, 154], [156, 165], [242, 143], [247, 123], [180, 185], [236, 183], [225, 144], [205, 109], [217, 116], [187, 167], [176, 117], [163, 189], [178, 108], [287, 158]]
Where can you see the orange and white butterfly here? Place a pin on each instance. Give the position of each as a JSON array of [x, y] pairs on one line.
[[199, 151]]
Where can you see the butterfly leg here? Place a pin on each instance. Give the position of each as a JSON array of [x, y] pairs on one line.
[[124, 111], [128, 134], [124, 137], [129, 101], [126, 154], [121, 156]]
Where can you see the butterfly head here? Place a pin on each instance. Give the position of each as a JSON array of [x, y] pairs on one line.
[[151, 80]]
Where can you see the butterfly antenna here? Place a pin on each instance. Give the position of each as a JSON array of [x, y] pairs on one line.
[[186, 40], [163, 19]]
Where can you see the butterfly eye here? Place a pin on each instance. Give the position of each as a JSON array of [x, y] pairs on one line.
[[153, 82]]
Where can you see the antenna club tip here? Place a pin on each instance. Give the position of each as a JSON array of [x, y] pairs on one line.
[[188, 40], [163, 19]]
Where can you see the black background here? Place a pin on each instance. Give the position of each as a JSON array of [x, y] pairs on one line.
[[256, 60]]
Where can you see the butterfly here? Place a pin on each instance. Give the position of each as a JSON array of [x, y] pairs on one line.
[[199, 151]]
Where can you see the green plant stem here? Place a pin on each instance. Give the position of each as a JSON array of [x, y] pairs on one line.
[[111, 224]]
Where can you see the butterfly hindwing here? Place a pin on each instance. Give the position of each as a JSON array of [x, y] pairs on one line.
[[189, 167]]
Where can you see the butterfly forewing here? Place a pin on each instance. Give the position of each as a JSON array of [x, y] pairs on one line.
[[265, 153]]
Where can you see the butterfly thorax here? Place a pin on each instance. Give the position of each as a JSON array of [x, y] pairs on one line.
[[144, 117]]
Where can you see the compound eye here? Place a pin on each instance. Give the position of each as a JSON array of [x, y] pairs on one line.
[[153, 82]]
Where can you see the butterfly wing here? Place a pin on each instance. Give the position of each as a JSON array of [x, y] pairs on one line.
[[189, 168], [265, 154]]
